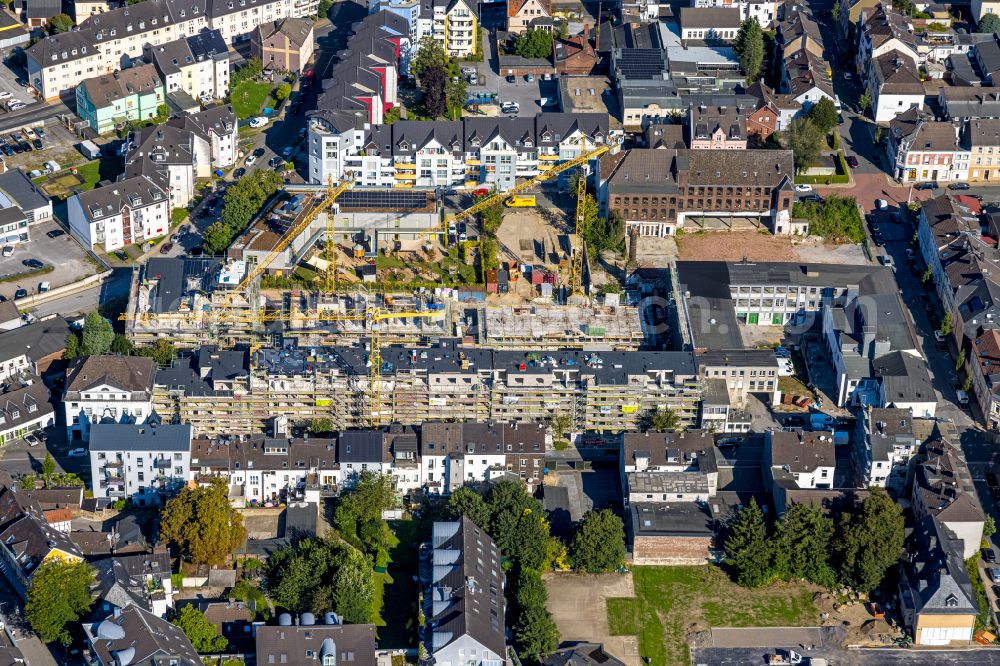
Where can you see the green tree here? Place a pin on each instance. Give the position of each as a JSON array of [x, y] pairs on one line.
[[534, 43], [60, 23], [250, 70], [492, 217], [323, 11], [561, 424], [97, 335], [946, 324], [122, 345], [531, 592], [803, 138], [600, 233], [989, 23], [531, 548], [824, 115], [989, 527], [467, 502], [72, 346], [747, 548], [801, 546], [283, 92], [927, 276], [202, 523], [322, 426], [535, 634], [391, 116], [864, 103], [354, 592], [59, 595], [749, 48], [28, 482], [48, 467], [960, 361], [508, 501], [870, 541], [599, 543], [430, 54], [216, 238], [203, 635], [488, 250], [433, 82], [358, 516], [163, 352], [660, 420]]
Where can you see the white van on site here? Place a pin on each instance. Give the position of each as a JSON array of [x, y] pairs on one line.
[[963, 398]]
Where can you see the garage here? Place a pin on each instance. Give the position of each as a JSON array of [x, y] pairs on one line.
[[943, 635]]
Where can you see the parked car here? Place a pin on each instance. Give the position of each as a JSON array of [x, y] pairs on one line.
[[989, 555], [959, 186], [166, 248], [40, 132], [803, 188], [8, 250], [55, 233], [122, 254], [287, 151], [994, 574], [20, 293], [259, 152], [468, 70], [925, 186], [239, 173], [251, 158], [33, 263], [37, 143], [812, 197], [31, 439], [43, 287], [473, 79], [511, 78], [77, 453], [258, 121], [852, 161], [530, 78], [878, 239], [7, 150], [5, 95], [881, 204]]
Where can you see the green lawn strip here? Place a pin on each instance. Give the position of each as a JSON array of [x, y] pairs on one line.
[[400, 597], [249, 97], [669, 599]]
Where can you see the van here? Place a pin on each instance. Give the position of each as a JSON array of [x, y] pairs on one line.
[[521, 201], [963, 397]]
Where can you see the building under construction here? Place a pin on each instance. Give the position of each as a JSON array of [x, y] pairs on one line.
[[234, 391], [561, 326]]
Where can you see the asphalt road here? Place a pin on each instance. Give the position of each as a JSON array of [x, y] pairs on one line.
[[36, 114], [82, 302]]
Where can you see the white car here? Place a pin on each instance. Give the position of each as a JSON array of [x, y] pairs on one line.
[[4, 94], [803, 188], [77, 453], [251, 158], [785, 367], [258, 121], [881, 204], [8, 250], [468, 70]]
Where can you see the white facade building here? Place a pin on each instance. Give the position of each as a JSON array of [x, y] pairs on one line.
[[127, 212], [143, 463], [197, 65], [107, 389]]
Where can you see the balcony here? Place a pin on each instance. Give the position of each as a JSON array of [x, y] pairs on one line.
[[402, 184], [545, 156], [473, 162], [406, 176], [405, 165]]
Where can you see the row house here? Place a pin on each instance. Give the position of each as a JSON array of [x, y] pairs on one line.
[[984, 369], [983, 138], [32, 348], [110, 100], [709, 24], [524, 15], [944, 489], [146, 463], [285, 45], [606, 391], [801, 66], [717, 128], [680, 459], [24, 408], [882, 31], [473, 152], [894, 86], [921, 149], [454, 454], [103, 42], [799, 459], [107, 389], [197, 65]]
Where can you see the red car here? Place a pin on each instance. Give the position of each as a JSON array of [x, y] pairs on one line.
[[852, 161]]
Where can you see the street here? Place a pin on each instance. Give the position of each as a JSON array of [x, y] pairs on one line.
[[71, 306]]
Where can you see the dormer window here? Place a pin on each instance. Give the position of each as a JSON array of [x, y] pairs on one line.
[[183, 13]]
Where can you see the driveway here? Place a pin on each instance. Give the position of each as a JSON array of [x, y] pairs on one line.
[[578, 604], [68, 258]]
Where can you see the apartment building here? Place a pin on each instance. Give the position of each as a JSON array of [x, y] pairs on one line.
[[921, 149], [455, 454], [767, 12], [197, 65], [453, 23], [471, 153], [710, 24], [885, 442], [60, 62], [110, 100], [463, 597], [657, 191], [743, 371], [943, 488], [126, 212], [524, 15], [894, 86], [137, 636], [983, 139], [32, 348], [305, 642], [103, 389], [717, 128], [984, 365], [799, 459], [24, 408], [285, 45], [883, 31], [606, 391], [146, 463]]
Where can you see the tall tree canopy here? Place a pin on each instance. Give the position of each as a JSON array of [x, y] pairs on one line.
[[599, 543], [747, 548], [202, 523], [97, 335], [749, 47], [203, 635], [58, 597], [871, 541]]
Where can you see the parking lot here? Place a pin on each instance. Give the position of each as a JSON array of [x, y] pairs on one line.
[[9, 81], [69, 260], [59, 145], [526, 93]]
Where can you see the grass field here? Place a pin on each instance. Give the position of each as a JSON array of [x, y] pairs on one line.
[[249, 97], [670, 599]]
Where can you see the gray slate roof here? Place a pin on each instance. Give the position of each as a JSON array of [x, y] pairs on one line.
[[139, 438]]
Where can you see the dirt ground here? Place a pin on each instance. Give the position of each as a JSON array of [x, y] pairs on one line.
[[579, 607], [535, 235], [756, 246], [862, 628]]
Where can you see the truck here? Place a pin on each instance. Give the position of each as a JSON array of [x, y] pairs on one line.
[[783, 657], [521, 201]]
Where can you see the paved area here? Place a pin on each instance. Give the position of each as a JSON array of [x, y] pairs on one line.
[[69, 260], [60, 146], [765, 636], [81, 302], [914, 657], [579, 607]]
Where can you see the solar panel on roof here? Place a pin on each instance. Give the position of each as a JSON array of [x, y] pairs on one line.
[[641, 63], [396, 199]]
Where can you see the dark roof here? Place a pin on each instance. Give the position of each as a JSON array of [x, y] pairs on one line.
[[710, 17], [352, 644], [24, 403], [127, 373], [944, 484], [107, 201], [37, 340], [683, 519], [58, 498], [936, 578], [171, 279], [361, 446], [905, 378], [466, 588], [582, 654], [137, 636], [140, 438], [801, 451], [16, 186], [672, 448]]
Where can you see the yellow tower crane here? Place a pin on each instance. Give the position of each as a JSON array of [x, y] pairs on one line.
[[576, 261]]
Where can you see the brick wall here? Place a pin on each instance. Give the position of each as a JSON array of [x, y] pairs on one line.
[[671, 550]]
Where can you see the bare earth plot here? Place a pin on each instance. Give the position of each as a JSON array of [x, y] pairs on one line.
[[755, 246], [673, 604], [578, 606]]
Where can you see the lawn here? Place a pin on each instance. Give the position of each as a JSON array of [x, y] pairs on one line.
[[88, 174], [249, 97], [670, 599], [399, 608]]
